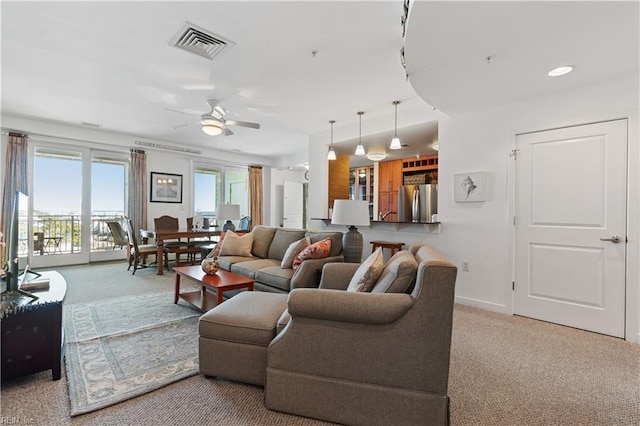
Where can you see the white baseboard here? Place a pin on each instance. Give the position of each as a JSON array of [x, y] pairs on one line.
[[482, 304]]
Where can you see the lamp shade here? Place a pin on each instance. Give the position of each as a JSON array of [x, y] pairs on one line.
[[228, 212], [350, 213]]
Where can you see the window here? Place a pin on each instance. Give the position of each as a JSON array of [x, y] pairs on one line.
[[207, 188], [214, 185]]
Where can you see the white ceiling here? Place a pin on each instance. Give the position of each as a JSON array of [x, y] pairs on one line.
[[110, 63]]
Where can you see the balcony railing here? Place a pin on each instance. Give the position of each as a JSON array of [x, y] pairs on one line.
[[61, 234]]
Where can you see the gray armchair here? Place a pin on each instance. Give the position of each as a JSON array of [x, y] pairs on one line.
[[367, 358]]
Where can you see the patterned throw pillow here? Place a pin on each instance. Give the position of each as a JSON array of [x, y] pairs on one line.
[[216, 251], [368, 272], [294, 249], [235, 245], [318, 250]]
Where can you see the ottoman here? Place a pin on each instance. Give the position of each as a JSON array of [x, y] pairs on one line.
[[235, 335]]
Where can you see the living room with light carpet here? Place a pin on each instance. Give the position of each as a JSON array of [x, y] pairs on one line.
[[504, 369]]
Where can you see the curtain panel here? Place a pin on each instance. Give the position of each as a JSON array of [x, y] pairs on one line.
[[255, 195], [15, 176], [137, 196]]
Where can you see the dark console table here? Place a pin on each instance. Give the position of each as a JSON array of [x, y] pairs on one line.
[[32, 337]]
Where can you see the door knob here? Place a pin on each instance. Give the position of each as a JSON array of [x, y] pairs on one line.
[[614, 239]]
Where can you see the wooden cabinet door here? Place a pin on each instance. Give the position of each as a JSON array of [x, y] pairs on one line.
[[388, 202]]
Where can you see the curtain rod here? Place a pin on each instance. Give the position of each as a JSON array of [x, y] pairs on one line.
[[67, 139]]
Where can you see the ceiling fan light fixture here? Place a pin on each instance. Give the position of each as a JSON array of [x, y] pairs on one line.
[[360, 148], [395, 142], [212, 129], [435, 147]]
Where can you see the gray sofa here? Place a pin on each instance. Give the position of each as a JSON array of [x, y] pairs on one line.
[[356, 358], [269, 247]]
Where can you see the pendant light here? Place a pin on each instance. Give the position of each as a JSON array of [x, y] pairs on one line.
[[332, 154], [360, 147], [395, 142]]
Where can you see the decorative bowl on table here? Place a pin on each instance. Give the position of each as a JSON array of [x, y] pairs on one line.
[[210, 265]]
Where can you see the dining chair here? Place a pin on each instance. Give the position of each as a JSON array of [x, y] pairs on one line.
[[137, 253], [176, 246]]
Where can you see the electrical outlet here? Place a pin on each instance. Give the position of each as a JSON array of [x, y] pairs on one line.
[[465, 265]]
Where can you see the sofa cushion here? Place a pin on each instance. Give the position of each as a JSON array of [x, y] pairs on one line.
[[262, 237], [282, 240], [318, 250], [235, 245], [398, 275], [335, 237], [227, 261], [249, 317], [368, 272], [275, 276], [294, 249], [249, 268]]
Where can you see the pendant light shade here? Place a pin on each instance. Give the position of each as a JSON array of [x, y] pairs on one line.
[[395, 142], [360, 147], [332, 154]]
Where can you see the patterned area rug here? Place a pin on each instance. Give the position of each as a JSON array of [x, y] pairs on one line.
[[120, 348]]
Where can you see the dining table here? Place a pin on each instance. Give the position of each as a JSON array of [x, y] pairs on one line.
[[160, 235]]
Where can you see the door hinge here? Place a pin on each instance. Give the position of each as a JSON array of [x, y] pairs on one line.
[[513, 285], [514, 153]]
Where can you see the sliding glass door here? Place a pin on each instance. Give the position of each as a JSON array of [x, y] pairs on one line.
[[75, 192]]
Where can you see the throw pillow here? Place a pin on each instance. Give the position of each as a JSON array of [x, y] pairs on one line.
[[235, 245], [216, 251], [368, 272], [318, 250], [398, 275], [294, 249]]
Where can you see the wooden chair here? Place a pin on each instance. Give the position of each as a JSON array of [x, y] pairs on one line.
[[137, 253], [196, 245], [176, 247], [118, 234]]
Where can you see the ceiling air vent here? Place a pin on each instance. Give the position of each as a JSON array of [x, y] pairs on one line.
[[199, 41]]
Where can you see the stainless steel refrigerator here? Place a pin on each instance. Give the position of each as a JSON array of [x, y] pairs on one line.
[[416, 203]]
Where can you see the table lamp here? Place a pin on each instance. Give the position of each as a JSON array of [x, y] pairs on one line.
[[351, 213], [228, 212]]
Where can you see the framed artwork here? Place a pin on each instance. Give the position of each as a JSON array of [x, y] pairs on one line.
[[469, 187], [166, 188]]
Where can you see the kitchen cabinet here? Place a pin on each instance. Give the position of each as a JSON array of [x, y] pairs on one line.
[[390, 179], [361, 183]]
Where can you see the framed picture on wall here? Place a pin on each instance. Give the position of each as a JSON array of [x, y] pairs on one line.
[[166, 188], [469, 187]]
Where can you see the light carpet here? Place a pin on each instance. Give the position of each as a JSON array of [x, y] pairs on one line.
[[119, 348]]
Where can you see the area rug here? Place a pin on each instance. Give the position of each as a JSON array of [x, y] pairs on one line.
[[119, 348]]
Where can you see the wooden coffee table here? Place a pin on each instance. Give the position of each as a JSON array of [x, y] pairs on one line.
[[220, 282]]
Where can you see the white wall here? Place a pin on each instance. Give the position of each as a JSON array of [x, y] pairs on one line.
[[481, 233]]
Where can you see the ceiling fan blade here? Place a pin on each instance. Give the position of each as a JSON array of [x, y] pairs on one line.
[[226, 131], [185, 111], [180, 126], [243, 124]]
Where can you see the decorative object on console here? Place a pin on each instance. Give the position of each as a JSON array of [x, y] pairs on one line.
[[395, 142], [210, 265], [468, 187], [228, 212], [351, 213], [360, 147], [332, 154]]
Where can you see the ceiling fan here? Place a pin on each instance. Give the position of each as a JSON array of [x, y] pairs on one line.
[[213, 122]]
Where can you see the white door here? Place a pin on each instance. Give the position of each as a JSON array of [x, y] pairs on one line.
[[292, 206], [570, 233]]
